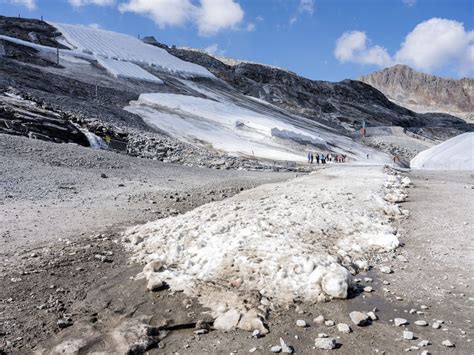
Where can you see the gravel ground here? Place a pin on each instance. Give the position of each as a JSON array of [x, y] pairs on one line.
[[55, 289], [50, 191]]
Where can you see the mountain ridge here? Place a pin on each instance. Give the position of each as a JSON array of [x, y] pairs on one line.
[[422, 92]]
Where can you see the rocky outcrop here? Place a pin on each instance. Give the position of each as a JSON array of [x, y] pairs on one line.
[[423, 92]]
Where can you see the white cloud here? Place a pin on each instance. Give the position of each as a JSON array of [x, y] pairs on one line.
[[354, 46], [80, 3], [210, 16], [409, 3], [250, 27], [214, 50], [436, 43], [431, 45], [306, 6], [29, 4], [94, 25], [215, 15]]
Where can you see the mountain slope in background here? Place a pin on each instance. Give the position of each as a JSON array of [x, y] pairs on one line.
[[342, 105], [423, 92]]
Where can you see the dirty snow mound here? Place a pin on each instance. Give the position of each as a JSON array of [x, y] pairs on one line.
[[456, 153], [271, 245]]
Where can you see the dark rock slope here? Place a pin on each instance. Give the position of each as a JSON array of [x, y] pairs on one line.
[[342, 105]]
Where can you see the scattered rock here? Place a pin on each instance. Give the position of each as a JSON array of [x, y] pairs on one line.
[[103, 176], [386, 269], [368, 289], [319, 320], [400, 321], [421, 323], [359, 318], [285, 348], [436, 325], [325, 343], [424, 343], [301, 323], [372, 315], [329, 323], [407, 335], [344, 328], [322, 335], [448, 344], [257, 334], [275, 349]]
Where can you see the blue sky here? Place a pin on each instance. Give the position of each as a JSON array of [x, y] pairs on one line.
[[318, 39]]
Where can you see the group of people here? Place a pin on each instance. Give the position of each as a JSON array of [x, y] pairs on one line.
[[322, 158]]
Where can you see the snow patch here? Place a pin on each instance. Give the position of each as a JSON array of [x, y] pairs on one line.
[[112, 45], [127, 70], [271, 245], [456, 153]]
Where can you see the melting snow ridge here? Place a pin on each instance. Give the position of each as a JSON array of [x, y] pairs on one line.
[[244, 253]]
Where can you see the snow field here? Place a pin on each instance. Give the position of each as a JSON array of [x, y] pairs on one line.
[[239, 130], [456, 153], [121, 47], [271, 245]]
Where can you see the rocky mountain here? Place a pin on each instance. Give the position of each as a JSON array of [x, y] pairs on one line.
[[423, 92]]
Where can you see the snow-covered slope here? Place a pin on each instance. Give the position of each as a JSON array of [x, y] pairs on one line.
[[119, 46], [455, 154], [245, 128]]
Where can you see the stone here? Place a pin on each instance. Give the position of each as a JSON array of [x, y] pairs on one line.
[[368, 289], [285, 348], [448, 344], [343, 328], [228, 320], [425, 352], [368, 279], [329, 323], [103, 176], [359, 318], [424, 307], [301, 323], [275, 349], [252, 350], [400, 321], [424, 343], [319, 320], [322, 335], [421, 323], [386, 269], [372, 315], [201, 331], [325, 343], [154, 282], [436, 325], [257, 334], [412, 311], [407, 335]]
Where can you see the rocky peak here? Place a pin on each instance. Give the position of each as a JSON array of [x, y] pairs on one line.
[[424, 92]]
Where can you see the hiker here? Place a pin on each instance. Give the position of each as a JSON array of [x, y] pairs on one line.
[[312, 157], [317, 158], [367, 155], [323, 159], [309, 157]]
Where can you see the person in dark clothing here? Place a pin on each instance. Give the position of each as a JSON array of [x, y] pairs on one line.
[[312, 157], [317, 158]]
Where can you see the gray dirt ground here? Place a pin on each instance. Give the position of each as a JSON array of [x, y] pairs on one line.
[[84, 279]]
